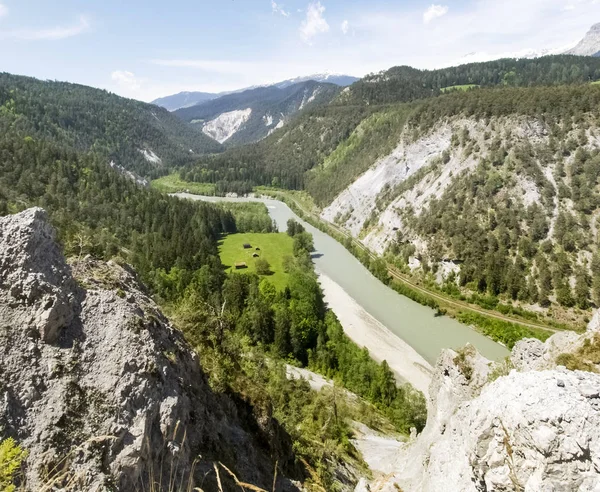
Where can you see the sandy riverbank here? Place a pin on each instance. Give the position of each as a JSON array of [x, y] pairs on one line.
[[382, 344]]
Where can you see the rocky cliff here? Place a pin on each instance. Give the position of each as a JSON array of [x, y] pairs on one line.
[[528, 424], [103, 392], [589, 45]]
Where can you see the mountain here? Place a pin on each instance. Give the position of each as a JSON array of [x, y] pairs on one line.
[[368, 106], [188, 99], [249, 116], [427, 199], [480, 56], [183, 100], [589, 45], [330, 78], [413, 171], [136, 136]]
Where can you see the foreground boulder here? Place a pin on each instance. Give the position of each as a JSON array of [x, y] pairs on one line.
[[103, 392], [525, 425]]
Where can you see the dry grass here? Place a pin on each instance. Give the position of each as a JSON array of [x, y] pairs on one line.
[[586, 358]]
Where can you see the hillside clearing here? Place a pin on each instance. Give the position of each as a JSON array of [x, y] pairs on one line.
[[273, 248], [174, 184], [464, 87]]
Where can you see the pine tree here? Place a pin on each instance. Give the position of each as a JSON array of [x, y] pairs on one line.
[[545, 281], [582, 287], [596, 279], [564, 295]]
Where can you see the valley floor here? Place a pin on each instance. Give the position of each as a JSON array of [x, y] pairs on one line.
[[382, 344]]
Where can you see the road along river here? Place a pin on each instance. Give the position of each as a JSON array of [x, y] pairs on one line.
[[392, 327]]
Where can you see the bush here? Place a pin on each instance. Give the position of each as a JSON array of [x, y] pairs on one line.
[[263, 267], [11, 458]]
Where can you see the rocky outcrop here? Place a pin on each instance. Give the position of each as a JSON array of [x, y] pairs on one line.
[[37, 290], [589, 45], [534, 429], [102, 391]]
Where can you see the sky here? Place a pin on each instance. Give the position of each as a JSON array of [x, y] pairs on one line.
[[152, 48]]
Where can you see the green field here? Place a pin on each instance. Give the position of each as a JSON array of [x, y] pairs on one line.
[[273, 248], [465, 87], [174, 184]]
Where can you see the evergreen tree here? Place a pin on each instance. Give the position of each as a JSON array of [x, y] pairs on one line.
[[545, 281], [595, 267], [582, 287]]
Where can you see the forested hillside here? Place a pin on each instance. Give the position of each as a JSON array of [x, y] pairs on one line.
[[284, 158], [402, 84], [139, 137], [492, 192]]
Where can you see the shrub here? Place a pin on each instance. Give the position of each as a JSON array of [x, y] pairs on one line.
[[263, 267], [11, 458]]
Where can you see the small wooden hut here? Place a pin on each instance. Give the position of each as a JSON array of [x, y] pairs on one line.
[[247, 246], [240, 265]]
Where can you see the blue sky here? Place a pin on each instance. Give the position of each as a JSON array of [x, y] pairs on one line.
[[146, 49]]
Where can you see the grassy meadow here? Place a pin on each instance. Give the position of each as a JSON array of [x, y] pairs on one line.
[[464, 87], [174, 184], [274, 248]]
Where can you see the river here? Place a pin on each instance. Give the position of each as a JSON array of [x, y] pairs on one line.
[[414, 324]]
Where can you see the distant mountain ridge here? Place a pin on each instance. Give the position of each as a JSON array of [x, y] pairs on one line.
[[252, 115], [330, 78], [183, 100], [188, 99]]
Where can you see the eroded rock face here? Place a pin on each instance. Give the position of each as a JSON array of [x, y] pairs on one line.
[[534, 355], [535, 429], [94, 380], [526, 431], [36, 288]]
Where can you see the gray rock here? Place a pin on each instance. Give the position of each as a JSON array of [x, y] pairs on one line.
[[103, 385], [534, 355], [535, 430], [36, 287], [594, 324]]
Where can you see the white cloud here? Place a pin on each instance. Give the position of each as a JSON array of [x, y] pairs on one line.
[[433, 12], [49, 34], [217, 66], [314, 23], [3, 10], [126, 80], [345, 27], [384, 38], [278, 9]]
